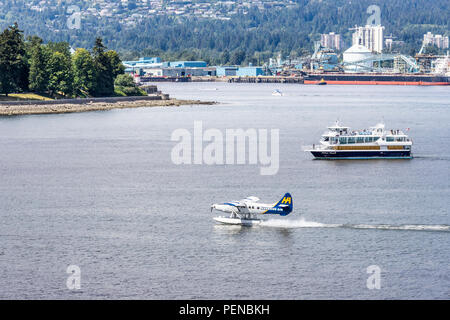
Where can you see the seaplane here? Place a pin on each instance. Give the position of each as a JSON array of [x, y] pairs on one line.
[[246, 211]]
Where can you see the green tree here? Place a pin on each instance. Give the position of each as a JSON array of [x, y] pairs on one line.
[[62, 47], [12, 59], [84, 72], [116, 63], [39, 66], [60, 73], [125, 84]]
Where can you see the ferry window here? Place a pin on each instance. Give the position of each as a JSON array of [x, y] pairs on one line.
[[368, 139], [351, 140], [257, 208], [360, 139], [389, 139], [343, 140], [326, 139]]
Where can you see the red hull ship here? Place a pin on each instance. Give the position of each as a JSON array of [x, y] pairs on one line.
[[378, 79]]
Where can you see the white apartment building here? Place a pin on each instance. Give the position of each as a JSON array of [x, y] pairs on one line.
[[331, 41], [436, 40], [370, 37]]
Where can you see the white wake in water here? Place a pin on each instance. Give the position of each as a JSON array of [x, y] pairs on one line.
[[299, 223], [416, 227], [302, 223]]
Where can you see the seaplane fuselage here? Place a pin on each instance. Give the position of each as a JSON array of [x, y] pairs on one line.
[[249, 208]]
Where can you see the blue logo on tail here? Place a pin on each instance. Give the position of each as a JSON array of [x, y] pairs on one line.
[[284, 206]]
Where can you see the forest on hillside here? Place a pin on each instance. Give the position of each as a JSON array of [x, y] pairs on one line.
[[252, 35]]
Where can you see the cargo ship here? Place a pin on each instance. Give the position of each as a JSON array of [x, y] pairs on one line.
[[339, 142], [378, 79]]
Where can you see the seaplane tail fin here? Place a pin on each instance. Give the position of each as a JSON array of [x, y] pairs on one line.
[[286, 203]]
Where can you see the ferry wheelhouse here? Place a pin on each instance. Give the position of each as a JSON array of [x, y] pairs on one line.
[[339, 142]]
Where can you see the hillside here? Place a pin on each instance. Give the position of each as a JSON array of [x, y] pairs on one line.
[[219, 31]]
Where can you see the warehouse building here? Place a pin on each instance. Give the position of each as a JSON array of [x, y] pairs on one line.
[[226, 71], [250, 71]]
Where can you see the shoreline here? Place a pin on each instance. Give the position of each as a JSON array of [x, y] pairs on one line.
[[30, 107]]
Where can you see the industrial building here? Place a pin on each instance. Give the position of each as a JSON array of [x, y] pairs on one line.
[[357, 59], [229, 71], [249, 71], [226, 71], [184, 64], [155, 67], [179, 72]]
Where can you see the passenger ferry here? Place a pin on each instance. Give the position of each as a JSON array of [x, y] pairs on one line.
[[374, 143]]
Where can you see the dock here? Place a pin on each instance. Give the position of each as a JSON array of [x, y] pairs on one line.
[[229, 79]]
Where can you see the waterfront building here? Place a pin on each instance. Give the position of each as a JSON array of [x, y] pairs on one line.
[[370, 37], [155, 67], [226, 71], [179, 72], [250, 71], [185, 64]]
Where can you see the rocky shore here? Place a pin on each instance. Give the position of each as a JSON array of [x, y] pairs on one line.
[[30, 108]]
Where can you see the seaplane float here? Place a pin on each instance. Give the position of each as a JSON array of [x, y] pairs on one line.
[[246, 211]]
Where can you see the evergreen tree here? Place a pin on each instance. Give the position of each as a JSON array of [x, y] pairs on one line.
[[12, 59], [237, 57], [225, 58], [107, 66], [104, 79]]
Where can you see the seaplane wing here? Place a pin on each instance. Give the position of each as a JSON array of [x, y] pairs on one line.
[[238, 204], [245, 211], [250, 199]]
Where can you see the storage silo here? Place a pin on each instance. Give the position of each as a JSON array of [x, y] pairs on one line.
[[357, 59]]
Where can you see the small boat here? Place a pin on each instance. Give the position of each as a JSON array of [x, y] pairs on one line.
[[321, 82], [339, 142], [277, 93]]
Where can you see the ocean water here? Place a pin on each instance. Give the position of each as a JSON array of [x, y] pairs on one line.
[[100, 191]]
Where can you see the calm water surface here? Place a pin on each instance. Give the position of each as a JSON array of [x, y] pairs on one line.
[[99, 190]]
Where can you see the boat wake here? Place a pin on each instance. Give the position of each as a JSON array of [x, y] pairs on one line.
[[299, 223], [302, 223]]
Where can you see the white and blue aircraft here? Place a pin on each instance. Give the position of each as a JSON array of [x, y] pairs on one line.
[[245, 211]]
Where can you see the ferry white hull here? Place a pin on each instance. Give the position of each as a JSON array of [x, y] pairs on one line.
[[373, 143], [362, 155]]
